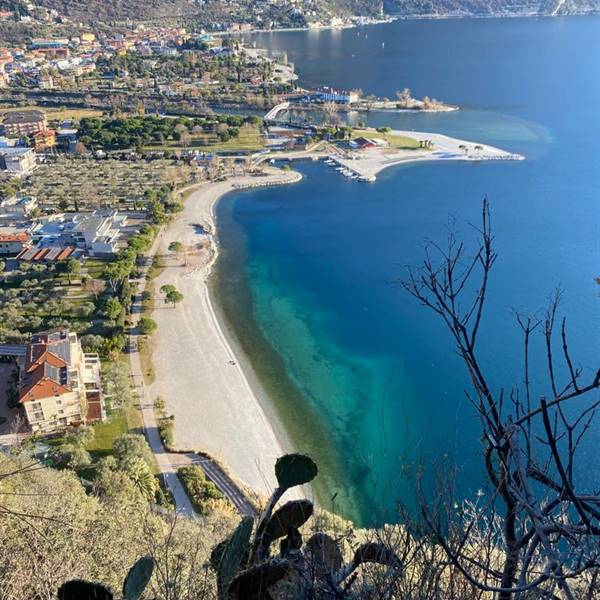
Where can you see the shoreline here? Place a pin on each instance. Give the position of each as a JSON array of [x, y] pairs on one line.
[[222, 403], [218, 406]]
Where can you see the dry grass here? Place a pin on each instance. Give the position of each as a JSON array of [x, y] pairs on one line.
[[59, 114]]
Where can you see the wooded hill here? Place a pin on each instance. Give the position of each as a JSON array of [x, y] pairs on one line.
[[490, 7]]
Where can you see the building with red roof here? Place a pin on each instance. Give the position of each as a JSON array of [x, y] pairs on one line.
[[59, 385]]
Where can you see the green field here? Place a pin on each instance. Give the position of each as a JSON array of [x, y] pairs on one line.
[[248, 140], [395, 141]]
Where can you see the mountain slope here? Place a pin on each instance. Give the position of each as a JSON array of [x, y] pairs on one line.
[[490, 7]]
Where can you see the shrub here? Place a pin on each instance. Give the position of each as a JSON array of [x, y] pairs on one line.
[[147, 326], [165, 429], [132, 445], [200, 490]]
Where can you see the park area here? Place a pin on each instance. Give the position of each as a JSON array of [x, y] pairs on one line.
[[399, 142]]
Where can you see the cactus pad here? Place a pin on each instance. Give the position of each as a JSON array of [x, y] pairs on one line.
[[254, 583], [78, 589], [323, 554], [294, 469], [292, 514], [138, 578], [377, 553]]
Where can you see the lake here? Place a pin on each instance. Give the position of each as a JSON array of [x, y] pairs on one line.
[[362, 376]]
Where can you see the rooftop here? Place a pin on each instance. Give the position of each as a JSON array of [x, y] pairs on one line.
[[14, 237]]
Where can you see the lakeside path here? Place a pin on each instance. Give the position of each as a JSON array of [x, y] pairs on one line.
[[166, 466], [197, 371]]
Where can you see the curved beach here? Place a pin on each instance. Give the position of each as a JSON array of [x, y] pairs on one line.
[[198, 372]]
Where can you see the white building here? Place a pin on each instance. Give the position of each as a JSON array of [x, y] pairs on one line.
[[12, 242], [17, 208], [17, 160], [97, 233]]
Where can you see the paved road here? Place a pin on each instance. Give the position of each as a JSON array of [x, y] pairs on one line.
[[215, 473]]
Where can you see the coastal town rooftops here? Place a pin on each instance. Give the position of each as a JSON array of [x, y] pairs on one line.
[[20, 236], [45, 372]]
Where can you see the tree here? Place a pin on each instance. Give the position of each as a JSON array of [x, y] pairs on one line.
[[72, 456], [139, 472], [156, 212], [172, 294], [404, 98], [176, 247], [537, 529], [91, 342], [80, 436], [113, 309], [132, 445], [147, 326], [94, 286], [72, 268]]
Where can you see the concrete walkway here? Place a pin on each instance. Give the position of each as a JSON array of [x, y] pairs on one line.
[[166, 468]]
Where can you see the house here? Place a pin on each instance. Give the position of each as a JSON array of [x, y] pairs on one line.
[[17, 160], [44, 140], [97, 233], [13, 242], [339, 97], [58, 385], [17, 208], [363, 143], [23, 123]]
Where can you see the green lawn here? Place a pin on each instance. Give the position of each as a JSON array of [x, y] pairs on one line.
[[249, 140], [106, 432], [395, 141]]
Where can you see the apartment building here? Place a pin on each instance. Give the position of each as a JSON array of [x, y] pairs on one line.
[[59, 385]]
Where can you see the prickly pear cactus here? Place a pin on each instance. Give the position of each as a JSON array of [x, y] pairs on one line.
[[292, 514], [254, 583], [323, 554], [138, 578], [377, 553], [78, 589], [294, 469], [234, 553]]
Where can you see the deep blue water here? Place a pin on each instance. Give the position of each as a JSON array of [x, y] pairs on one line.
[[315, 264]]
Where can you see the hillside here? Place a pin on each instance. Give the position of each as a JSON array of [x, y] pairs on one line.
[[490, 7], [266, 14], [207, 12]]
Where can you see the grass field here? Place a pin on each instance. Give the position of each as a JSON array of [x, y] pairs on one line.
[[105, 434], [60, 114], [395, 141], [248, 140]]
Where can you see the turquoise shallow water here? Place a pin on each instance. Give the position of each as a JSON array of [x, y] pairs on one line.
[[362, 376]]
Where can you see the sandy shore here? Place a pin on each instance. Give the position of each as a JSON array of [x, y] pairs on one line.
[[197, 371]]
